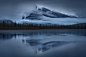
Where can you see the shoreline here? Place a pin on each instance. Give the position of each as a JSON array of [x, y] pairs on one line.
[[42, 29]]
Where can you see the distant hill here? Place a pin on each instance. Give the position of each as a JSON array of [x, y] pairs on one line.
[[6, 21]]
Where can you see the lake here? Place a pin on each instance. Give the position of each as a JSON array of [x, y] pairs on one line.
[[42, 43]]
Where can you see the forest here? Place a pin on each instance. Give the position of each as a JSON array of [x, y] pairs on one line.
[[18, 26]]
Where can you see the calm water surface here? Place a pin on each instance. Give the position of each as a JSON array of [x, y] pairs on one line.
[[43, 43]]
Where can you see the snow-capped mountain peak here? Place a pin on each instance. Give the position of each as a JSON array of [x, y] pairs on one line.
[[43, 12], [43, 9]]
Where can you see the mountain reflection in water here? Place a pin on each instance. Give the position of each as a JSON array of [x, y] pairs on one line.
[[42, 47], [43, 43]]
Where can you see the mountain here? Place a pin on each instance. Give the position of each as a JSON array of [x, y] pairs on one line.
[[43, 12], [6, 21]]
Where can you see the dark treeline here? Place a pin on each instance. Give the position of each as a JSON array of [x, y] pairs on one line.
[[15, 25]]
